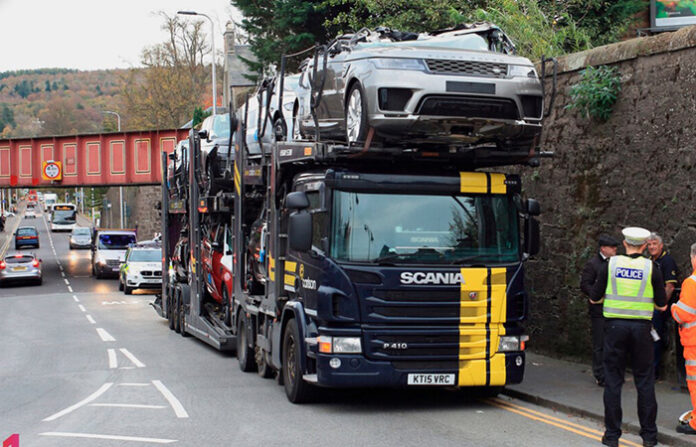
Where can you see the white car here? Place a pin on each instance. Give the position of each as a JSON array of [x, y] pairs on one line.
[[30, 214], [142, 268]]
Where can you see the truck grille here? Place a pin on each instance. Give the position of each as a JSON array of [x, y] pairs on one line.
[[433, 343], [469, 68], [427, 305]]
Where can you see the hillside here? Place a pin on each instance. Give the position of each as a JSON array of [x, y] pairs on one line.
[[54, 101]]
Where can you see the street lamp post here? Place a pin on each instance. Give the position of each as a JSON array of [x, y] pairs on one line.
[[120, 188], [212, 35]]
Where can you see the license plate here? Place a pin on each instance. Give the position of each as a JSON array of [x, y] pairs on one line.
[[116, 269], [431, 379], [18, 269]]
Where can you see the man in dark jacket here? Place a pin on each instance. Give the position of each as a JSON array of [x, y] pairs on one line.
[[607, 248]]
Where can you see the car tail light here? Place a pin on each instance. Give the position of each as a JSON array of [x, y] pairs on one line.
[[35, 263], [2, 265]]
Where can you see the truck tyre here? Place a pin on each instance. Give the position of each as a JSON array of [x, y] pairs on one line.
[[296, 389], [245, 354], [175, 312], [262, 366], [182, 319], [170, 312]]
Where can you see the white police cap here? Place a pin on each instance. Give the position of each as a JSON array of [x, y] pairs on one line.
[[635, 235]]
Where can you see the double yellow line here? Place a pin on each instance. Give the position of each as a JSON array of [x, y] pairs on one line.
[[578, 429]]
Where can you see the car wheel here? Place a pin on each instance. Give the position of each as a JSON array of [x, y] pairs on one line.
[[296, 389], [356, 115], [128, 290], [280, 129], [120, 285], [245, 354]]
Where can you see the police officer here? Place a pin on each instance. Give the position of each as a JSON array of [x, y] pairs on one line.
[[630, 288], [684, 313], [668, 267], [596, 264]]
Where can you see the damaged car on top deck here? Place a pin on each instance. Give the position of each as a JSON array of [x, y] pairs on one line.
[[460, 87]]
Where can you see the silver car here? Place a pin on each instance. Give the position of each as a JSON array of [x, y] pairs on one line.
[[20, 268], [462, 87], [81, 237]]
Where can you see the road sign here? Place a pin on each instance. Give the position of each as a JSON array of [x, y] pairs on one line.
[[52, 170]]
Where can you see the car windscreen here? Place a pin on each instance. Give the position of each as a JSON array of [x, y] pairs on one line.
[[424, 229], [115, 241], [82, 232], [465, 42], [145, 256], [221, 126], [19, 259], [27, 232]]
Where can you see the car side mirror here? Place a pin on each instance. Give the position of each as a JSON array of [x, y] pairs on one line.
[[215, 245], [203, 134], [532, 236], [533, 207]]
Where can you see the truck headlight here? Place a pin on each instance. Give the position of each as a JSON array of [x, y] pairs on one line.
[[512, 343], [393, 63], [522, 71], [339, 345]]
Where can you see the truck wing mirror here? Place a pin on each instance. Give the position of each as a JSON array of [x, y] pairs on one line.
[[300, 231], [532, 236], [533, 208], [296, 200], [203, 134]]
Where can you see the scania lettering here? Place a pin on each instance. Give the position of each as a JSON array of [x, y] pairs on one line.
[[431, 278]]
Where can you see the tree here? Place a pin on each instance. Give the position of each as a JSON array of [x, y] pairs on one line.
[[174, 80], [6, 117], [63, 116]]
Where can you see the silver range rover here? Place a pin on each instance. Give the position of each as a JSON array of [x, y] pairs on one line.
[[459, 87]]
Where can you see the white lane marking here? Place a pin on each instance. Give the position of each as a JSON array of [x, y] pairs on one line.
[[70, 289], [82, 308], [152, 407], [113, 361], [75, 298], [134, 384], [66, 281], [110, 437], [90, 319], [127, 367], [173, 401], [105, 336], [132, 358], [81, 403], [63, 274]]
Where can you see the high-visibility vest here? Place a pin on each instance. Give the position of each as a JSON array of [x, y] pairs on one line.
[[629, 292], [684, 312]]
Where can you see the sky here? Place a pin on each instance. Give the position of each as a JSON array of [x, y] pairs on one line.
[[93, 34]]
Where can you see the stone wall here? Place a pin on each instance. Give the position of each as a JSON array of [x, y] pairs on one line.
[[139, 210], [635, 169]]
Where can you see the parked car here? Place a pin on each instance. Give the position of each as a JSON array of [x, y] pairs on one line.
[[80, 237], [459, 87], [26, 237], [29, 213], [20, 267], [216, 259], [108, 251], [141, 269], [280, 125]]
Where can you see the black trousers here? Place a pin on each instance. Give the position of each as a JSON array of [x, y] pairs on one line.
[[624, 339], [598, 347]]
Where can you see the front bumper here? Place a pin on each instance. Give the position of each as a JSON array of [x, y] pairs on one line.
[[357, 371], [107, 270], [139, 282]]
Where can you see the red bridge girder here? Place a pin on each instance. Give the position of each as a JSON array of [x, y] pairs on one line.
[[107, 159]]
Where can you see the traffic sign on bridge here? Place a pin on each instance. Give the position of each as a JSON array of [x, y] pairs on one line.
[[120, 158]]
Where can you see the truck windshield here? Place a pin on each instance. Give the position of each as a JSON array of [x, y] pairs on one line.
[[424, 229], [115, 241]]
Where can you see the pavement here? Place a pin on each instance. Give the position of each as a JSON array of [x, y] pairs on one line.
[[570, 388]]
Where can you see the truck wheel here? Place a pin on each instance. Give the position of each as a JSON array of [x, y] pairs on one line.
[[262, 367], [170, 313], [175, 313], [296, 389], [244, 354], [356, 115], [182, 319]]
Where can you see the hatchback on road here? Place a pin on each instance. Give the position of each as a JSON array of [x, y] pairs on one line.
[[26, 236], [20, 267], [81, 237]]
